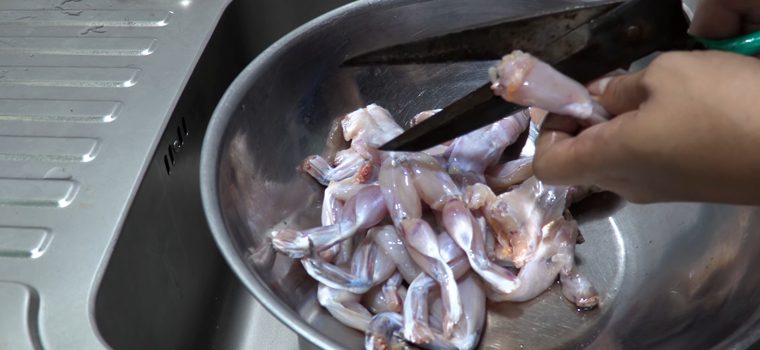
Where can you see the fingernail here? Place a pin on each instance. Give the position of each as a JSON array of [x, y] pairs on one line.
[[598, 87]]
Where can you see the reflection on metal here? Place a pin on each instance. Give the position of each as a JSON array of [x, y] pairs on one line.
[[667, 271]]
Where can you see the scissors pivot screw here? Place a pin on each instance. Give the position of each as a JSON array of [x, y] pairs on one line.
[[633, 34]]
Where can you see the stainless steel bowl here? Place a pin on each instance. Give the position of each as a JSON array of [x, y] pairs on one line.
[[671, 275]]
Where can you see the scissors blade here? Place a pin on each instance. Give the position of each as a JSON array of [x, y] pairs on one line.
[[471, 112], [488, 42], [619, 39]]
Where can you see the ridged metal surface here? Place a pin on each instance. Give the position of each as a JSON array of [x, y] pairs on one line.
[[24, 242], [72, 111], [18, 328], [86, 87]]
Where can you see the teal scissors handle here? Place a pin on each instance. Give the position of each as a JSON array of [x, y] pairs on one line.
[[745, 45]]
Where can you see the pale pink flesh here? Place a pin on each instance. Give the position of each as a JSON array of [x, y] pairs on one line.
[[398, 190], [345, 307], [471, 154], [383, 332], [434, 186], [416, 327], [372, 126], [346, 252], [518, 216], [555, 256], [369, 267], [362, 211], [423, 248], [337, 193], [502, 177], [528, 220], [438, 190], [454, 256], [525, 80], [347, 163], [330, 254], [387, 238], [386, 297], [577, 289], [418, 311], [403, 200], [465, 231], [423, 116]]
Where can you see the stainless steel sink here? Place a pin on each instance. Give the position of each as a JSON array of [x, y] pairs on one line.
[[166, 286]]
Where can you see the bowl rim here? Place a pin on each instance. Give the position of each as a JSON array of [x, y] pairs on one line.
[[209, 169]]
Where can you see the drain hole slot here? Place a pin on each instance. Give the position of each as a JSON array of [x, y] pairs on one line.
[[171, 154], [168, 166], [179, 137], [184, 127]]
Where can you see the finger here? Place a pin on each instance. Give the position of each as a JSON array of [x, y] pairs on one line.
[[716, 19], [620, 94], [556, 159], [563, 123], [562, 159], [556, 128]]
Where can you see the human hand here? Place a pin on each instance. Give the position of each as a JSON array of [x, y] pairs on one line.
[[687, 129], [718, 19]]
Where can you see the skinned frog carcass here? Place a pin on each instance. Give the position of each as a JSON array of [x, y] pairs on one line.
[[412, 244]]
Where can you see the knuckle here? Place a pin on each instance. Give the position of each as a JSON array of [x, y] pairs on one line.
[[665, 63], [651, 76]]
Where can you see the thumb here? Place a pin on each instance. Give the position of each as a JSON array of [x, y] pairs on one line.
[[620, 94], [717, 19]]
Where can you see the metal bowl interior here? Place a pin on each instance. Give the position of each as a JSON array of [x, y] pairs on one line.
[[671, 275]]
